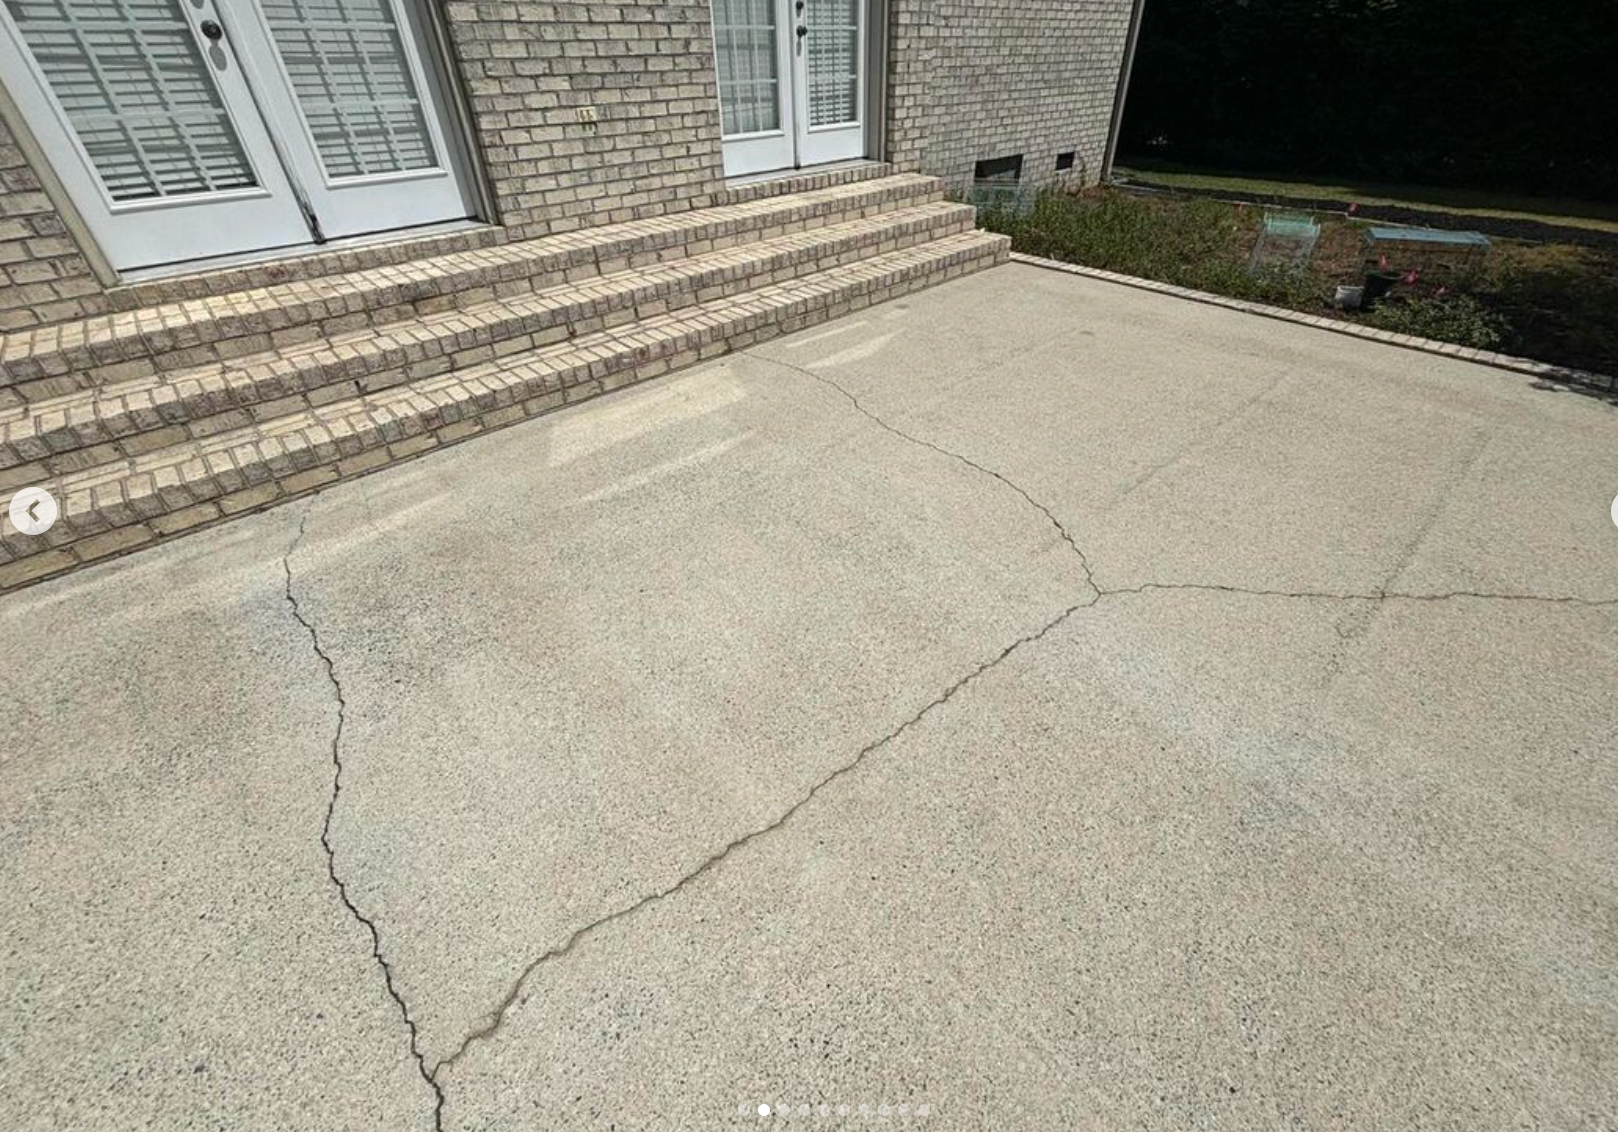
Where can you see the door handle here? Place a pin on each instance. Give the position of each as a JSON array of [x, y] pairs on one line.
[[803, 33], [212, 31]]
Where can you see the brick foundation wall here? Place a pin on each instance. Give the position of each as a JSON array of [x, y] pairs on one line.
[[972, 80]]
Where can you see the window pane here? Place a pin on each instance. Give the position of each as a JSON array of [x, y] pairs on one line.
[[136, 90]]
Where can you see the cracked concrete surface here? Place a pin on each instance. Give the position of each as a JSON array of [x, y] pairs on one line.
[[1138, 714], [332, 872], [172, 953]]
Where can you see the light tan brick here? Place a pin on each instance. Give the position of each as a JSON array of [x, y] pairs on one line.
[[184, 519], [112, 542], [249, 498], [34, 567]]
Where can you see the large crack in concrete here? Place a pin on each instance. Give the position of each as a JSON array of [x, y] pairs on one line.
[[493, 1022], [1379, 595], [496, 1018], [331, 809], [1050, 516], [1104, 592]]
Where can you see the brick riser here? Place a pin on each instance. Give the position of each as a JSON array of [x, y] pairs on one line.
[[122, 421], [194, 485], [57, 360]]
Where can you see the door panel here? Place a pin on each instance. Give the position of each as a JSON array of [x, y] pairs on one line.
[[150, 126], [831, 82], [755, 88], [792, 82], [349, 73], [361, 119]]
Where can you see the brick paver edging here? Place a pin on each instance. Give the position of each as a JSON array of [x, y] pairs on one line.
[[1598, 381]]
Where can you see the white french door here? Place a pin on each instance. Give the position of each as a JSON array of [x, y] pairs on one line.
[[187, 129], [148, 122], [347, 86], [792, 82], [830, 79]]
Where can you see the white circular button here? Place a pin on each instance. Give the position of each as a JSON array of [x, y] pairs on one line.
[[33, 510], [1615, 510]]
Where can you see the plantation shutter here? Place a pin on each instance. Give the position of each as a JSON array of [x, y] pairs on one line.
[[351, 77], [833, 61], [134, 87], [744, 35]]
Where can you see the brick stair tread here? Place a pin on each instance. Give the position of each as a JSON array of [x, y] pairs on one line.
[[109, 339], [741, 189], [130, 491], [372, 357], [345, 257]]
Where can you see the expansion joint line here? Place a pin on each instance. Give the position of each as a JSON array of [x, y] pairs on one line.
[[331, 810]]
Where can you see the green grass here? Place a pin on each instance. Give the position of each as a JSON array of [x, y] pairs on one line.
[[1461, 202], [1553, 302]]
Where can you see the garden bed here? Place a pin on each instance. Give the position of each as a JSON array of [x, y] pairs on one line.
[[1553, 302]]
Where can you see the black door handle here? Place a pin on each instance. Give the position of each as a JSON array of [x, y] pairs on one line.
[[212, 31]]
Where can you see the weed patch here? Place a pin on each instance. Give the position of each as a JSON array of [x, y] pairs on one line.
[[1554, 302]]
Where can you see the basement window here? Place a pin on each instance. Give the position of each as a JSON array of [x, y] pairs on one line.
[[1064, 161], [999, 169]]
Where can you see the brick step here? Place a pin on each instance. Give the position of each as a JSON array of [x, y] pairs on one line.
[[113, 508], [57, 436], [346, 256], [804, 181], [55, 360]]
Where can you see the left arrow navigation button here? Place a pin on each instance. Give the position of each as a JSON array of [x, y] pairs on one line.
[[33, 510]]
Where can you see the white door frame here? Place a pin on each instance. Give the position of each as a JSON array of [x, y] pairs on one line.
[[379, 202], [796, 143], [155, 230]]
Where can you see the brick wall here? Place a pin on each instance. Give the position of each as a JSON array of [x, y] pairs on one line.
[[971, 80], [647, 68], [43, 276], [968, 80]]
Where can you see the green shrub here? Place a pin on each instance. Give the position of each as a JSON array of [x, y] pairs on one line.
[[1201, 244], [1460, 319]]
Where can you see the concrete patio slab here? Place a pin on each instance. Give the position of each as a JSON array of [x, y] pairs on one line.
[[1191, 443], [1034, 702], [173, 953]]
